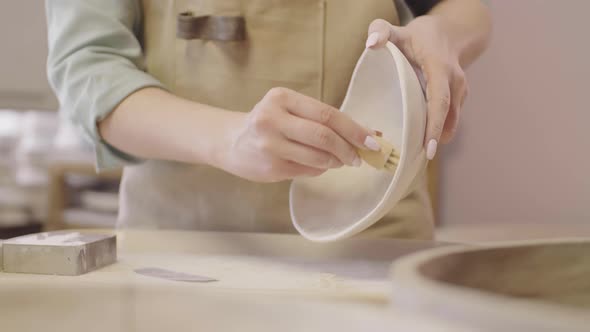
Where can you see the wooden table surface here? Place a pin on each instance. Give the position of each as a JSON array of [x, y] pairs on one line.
[[265, 282]]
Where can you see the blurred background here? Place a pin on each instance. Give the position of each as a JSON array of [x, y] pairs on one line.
[[521, 156], [47, 176]]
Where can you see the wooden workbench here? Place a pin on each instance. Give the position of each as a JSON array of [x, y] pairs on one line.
[[265, 282]]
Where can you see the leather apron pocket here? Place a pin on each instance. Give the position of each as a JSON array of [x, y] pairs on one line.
[[230, 53]]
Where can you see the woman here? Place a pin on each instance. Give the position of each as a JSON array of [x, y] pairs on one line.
[[213, 104]]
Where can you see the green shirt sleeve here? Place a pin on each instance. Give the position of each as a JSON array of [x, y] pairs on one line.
[[95, 60]]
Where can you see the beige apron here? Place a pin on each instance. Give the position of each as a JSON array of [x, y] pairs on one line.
[[310, 46]]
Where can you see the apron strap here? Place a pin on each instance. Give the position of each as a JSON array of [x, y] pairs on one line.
[[222, 28]]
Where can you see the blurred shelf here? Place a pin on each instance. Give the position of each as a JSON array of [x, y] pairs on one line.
[[79, 217], [61, 169], [58, 193], [14, 231]]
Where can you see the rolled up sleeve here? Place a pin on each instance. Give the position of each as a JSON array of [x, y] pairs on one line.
[[95, 61]]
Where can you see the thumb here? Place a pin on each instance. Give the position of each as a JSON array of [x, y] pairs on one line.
[[381, 31]]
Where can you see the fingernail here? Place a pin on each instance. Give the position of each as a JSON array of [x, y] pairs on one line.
[[372, 39], [372, 144], [357, 162], [431, 149]]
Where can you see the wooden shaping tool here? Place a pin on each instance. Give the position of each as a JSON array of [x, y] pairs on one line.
[[385, 159]]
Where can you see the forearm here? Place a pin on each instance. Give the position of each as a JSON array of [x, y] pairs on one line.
[[467, 24], [154, 124]]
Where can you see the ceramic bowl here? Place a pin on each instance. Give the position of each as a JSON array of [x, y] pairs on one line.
[[384, 94]]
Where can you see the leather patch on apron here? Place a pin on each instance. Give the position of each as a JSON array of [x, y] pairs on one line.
[[283, 45], [222, 28]]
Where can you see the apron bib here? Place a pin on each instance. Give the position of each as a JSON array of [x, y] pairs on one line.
[[228, 54]]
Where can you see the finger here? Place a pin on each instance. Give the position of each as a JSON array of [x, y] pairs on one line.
[[450, 126], [292, 170], [438, 101], [314, 134], [311, 109], [458, 95], [308, 156], [452, 120], [381, 31]]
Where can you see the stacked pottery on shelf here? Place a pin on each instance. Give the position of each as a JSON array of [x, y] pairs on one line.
[[96, 202], [38, 129], [31, 142], [14, 205], [95, 205]]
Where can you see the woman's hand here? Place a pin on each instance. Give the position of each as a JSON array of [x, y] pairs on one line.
[[426, 44], [288, 134]]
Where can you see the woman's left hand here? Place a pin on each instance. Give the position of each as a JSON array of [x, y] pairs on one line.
[[428, 49]]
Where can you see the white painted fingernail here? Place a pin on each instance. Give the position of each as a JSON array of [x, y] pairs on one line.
[[357, 162], [372, 39], [372, 144], [431, 149]]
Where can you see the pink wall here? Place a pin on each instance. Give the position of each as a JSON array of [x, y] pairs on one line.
[[523, 150]]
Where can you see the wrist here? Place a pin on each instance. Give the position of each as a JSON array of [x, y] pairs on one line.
[[215, 148]]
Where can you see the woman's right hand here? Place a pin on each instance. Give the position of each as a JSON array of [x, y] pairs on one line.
[[288, 134]]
